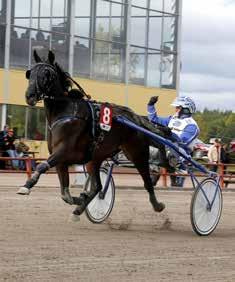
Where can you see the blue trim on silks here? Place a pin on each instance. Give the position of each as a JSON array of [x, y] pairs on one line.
[[190, 132]]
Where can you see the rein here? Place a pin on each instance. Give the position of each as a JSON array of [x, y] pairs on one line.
[[79, 87]]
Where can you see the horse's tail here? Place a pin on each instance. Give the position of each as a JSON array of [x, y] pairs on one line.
[[141, 120], [163, 131]]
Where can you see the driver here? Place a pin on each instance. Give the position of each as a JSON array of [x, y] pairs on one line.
[[183, 127]]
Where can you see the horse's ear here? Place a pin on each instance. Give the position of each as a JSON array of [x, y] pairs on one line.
[[36, 57], [51, 57]]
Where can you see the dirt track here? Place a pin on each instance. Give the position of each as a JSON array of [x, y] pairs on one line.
[[39, 242]]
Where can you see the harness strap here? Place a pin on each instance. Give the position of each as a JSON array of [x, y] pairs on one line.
[[65, 119], [97, 134], [79, 87], [93, 129]]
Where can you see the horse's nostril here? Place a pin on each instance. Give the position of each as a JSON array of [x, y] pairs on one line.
[[29, 94]]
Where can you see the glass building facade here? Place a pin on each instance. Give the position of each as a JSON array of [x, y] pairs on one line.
[[124, 41]]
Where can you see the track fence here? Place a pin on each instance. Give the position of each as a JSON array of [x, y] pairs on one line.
[[226, 171]]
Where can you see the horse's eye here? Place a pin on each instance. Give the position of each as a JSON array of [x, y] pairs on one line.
[[27, 74], [47, 73]]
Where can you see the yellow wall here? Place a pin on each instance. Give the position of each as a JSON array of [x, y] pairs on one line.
[[137, 96], [13, 87], [14, 83]]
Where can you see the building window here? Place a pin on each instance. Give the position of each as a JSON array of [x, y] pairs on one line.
[[99, 39], [16, 119], [82, 18], [154, 71], [2, 31], [36, 126], [19, 48], [2, 44], [138, 26], [137, 65], [27, 122], [82, 56]]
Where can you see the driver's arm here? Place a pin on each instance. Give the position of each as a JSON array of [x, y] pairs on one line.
[[154, 118]]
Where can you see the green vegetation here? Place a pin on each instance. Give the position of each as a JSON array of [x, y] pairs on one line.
[[216, 124]]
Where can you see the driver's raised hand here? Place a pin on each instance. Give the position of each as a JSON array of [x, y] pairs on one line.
[[153, 100]]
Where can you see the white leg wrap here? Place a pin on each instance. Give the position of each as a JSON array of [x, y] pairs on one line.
[[23, 191]]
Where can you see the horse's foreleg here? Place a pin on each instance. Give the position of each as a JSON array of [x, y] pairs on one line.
[[63, 174], [87, 196], [40, 168]]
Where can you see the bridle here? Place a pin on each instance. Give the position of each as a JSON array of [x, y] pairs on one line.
[[44, 87], [42, 91]]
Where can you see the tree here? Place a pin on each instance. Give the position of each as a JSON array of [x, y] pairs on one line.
[[216, 123]]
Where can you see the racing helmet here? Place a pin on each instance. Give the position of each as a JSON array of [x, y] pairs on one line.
[[186, 103]]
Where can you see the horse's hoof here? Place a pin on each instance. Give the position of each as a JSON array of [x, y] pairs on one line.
[[67, 199], [159, 207], [75, 217], [23, 191]]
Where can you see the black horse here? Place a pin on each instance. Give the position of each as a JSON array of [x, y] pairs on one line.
[[75, 138]]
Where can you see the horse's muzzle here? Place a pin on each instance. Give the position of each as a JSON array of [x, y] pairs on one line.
[[30, 98]]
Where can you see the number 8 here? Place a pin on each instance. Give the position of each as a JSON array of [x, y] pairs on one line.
[[106, 116]]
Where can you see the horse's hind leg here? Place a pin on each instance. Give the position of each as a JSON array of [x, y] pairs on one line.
[[63, 174], [144, 172], [139, 155], [96, 186]]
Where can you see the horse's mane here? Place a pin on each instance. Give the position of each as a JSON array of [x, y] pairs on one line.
[[67, 83], [64, 76]]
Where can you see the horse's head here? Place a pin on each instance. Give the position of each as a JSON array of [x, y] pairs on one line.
[[46, 80]]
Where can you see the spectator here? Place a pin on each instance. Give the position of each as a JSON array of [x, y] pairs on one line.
[[21, 151], [26, 35], [38, 135], [3, 134], [233, 147], [14, 34], [231, 153], [5, 130], [9, 140], [224, 154], [214, 155], [9, 147], [40, 36]]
